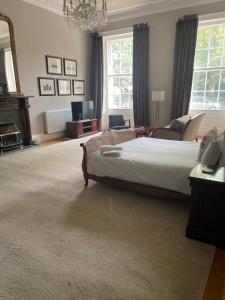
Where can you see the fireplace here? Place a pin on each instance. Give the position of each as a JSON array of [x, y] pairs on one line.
[[10, 136], [14, 121]]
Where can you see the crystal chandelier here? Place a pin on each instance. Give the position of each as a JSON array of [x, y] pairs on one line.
[[87, 15]]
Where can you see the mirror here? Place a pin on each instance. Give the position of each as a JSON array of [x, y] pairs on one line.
[[9, 81]]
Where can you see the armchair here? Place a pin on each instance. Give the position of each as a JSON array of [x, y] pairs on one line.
[[117, 122], [181, 129]]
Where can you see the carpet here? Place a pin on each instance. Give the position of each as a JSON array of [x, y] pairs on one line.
[[59, 240]]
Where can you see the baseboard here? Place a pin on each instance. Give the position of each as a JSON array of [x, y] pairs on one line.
[[38, 138]]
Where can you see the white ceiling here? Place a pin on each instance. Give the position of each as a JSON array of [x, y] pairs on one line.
[[120, 9]]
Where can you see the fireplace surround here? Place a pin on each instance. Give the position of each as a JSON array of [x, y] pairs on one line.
[[15, 108]]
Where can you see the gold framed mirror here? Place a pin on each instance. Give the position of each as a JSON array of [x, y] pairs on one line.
[[9, 77]]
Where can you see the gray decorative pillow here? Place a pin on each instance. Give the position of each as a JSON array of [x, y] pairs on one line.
[[222, 159], [206, 140], [180, 123], [213, 153]]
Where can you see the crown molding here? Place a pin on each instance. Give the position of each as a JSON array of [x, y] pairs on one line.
[[145, 9], [154, 8], [56, 9]]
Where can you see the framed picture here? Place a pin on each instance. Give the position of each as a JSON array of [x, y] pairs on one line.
[[54, 65], [46, 86], [70, 67], [78, 87], [64, 87]]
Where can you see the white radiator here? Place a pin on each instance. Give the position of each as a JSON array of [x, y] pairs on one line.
[[55, 120]]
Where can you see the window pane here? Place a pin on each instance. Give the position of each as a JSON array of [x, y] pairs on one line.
[[126, 66], [199, 81], [222, 83], [215, 57], [211, 100], [115, 49], [213, 78], [116, 66], [222, 100], [203, 38], [217, 38], [197, 100], [201, 58]]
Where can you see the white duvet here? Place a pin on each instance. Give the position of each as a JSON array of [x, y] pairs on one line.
[[155, 162]]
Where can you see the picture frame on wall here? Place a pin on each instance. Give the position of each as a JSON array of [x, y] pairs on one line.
[[64, 87], [70, 67], [46, 86], [79, 87], [54, 65]]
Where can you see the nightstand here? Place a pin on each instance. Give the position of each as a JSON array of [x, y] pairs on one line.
[[207, 213]]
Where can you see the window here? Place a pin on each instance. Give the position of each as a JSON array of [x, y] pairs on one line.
[[208, 88], [118, 71]]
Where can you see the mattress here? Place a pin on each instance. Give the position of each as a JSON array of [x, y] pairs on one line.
[[154, 162]]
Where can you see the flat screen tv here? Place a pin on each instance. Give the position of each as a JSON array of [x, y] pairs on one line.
[[82, 110]]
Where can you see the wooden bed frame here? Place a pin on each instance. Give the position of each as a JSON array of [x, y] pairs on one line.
[[137, 187]]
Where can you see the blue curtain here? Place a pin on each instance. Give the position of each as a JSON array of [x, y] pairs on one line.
[[96, 74], [186, 36], [141, 74]]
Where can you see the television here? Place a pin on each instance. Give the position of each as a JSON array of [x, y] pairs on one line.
[[82, 110]]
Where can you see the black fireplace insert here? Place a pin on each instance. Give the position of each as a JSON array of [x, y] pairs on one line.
[[10, 136]]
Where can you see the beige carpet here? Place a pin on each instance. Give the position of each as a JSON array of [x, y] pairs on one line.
[[60, 241]]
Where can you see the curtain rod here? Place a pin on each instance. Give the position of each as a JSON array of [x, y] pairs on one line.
[[117, 31]]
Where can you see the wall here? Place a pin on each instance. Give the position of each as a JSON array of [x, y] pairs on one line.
[[39, 32], [162, 41]]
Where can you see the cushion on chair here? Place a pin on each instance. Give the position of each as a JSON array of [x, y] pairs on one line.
[[180, 123], [213, 152], [206, 140]]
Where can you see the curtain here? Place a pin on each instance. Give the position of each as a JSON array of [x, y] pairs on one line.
[[186, 36], [141, 74], [96, 75]]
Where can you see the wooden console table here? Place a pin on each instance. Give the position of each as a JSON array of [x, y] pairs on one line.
[[207, 213], [77, 129]]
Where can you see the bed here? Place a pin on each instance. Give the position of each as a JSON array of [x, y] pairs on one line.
[[154, 166]]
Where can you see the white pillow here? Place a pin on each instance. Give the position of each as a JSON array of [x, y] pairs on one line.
[[206, 140], [213, 153]]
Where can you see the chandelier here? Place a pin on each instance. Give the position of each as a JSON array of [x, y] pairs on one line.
[[87, 15]]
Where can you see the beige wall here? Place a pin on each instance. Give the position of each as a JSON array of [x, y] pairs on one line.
[[39, 32], [162, 40]]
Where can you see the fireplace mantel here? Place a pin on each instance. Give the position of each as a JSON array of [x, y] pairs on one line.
[[15, 108]]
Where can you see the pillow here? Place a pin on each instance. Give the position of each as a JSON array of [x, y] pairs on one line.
[[222, 159], [206, 140], [122, 136], [180, 123], [213, 153]]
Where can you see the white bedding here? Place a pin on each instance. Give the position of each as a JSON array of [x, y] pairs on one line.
[[154, 162]]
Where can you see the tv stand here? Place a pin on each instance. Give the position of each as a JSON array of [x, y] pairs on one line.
[[81, 128]]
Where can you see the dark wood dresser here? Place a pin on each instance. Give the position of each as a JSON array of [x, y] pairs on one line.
[[207, 213], [78, 129]]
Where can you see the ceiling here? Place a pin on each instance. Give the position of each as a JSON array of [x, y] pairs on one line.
[[120, 9]]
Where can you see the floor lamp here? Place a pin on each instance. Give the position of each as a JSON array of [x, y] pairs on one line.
[[157, 96]]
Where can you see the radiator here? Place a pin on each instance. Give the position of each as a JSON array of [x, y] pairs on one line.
[[55, 120]]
